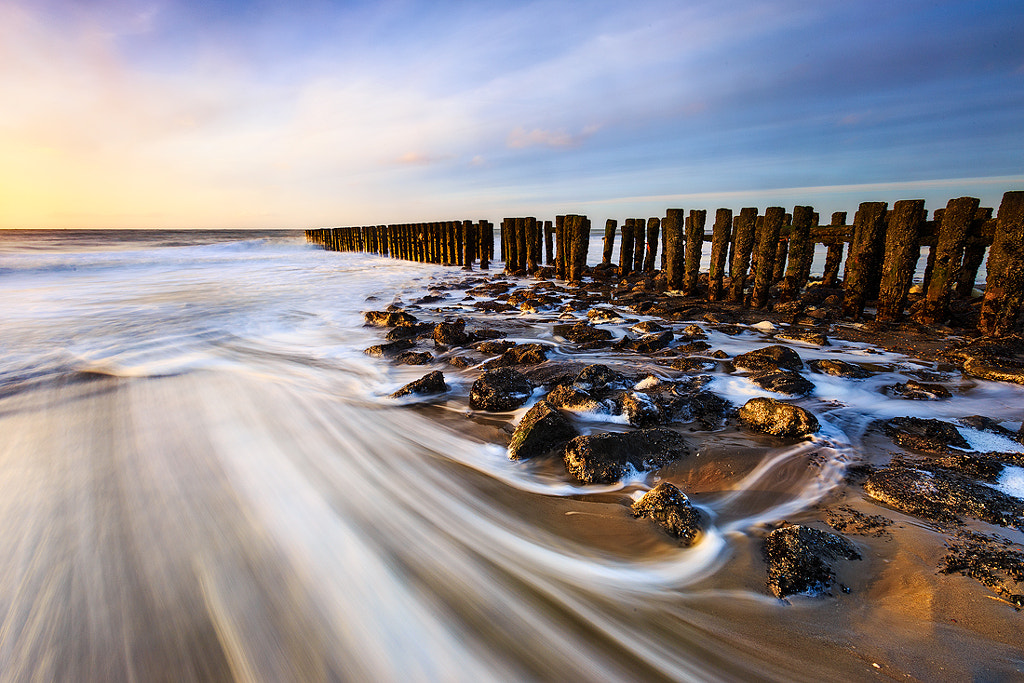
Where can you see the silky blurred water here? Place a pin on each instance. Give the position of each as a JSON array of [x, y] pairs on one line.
[[201, 478]]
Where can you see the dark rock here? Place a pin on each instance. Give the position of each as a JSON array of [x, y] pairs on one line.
[[493, 346], [451, 333], [431, 383], [388, 318], [390, 349], [799, 560], [687, 364], [414, 358], [582, 332], [500, 390], [522, 354], [461, 362], [647, 327], [941, 495], [769, 358], [707, 408], [648, 343], [783, 382], [413, 331], [571, 397], [981, 466], [838, 368], [672, 510], [641, 410], [604, 315], [552, 373], [921, 434], [697, 346], [919, 391], [997, 369], [695, 332], [987, 424], [597, 377], [603, 458], [849, 521], [816, 338], [777, 418], [991, 560], [719, 354], [493, 306], [542, 430]]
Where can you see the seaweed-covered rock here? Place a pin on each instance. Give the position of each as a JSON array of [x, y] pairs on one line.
[[500, 390], [815, 338], [493, 346], [431, 383], [773, 357], [604, 458], [652, 342], [641, 410], [942, 495], [390, 349], [850, 521], [542, 430], [783, 382], [598, 377], [838, 368], [647, 327], [800, 560], [672, 510], [451, 333], [778, 418], [413, 331], [695, 332], [414, 358], [389, 318], [925, 434], [571, 397], [997, 369], [707, 408], [691, 365], [522, 354], [694, 347], [581, 333], [991, 560], [920, 391]]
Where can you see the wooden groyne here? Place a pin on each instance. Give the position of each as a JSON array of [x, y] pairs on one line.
[[768, 255]]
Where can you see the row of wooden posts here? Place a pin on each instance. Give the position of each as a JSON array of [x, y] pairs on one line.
[[761, 251]]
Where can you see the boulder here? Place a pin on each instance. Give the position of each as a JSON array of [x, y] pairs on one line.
[[414, 358], [773, 357], [925, 434], [996, 369], [815, 338], [451, 333], [431, 383], [598, 377], [783, 382], [647, 327], [641, 410], [390, 318], [777, 418], [838, 368], [493, 346], [604, 458], [800, 560], [521, 354], [390, 349], [500, 390], [919, 391], [412, 331], [542, 430], [672, 510], [582, 332], [992, 561]]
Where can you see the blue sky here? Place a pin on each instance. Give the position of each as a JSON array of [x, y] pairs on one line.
[[124, 113]]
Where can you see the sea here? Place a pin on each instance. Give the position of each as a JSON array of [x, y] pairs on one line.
[[203, 478]]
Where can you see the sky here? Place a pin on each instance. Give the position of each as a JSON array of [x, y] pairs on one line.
[[306, 113]]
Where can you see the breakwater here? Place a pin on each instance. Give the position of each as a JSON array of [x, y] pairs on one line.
[[767, 255]]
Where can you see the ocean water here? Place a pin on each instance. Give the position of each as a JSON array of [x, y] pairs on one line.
[[202, 478]]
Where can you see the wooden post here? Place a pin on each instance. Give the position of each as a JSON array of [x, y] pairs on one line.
[[483, 227], [800, 247], [741, 251], [639, 238], [781, 256], [694, 246], [951, 235], [675, 248], [578, 230], [653, 225], [560, 250], [862, 265], [834, 256], [609, 240], [469, 240], [510, 244], [504, 237], [530, 237], [901, 255], [767, 244], [974, 254], [549, 245], [1004, 287], [719, 245], [626, 248]]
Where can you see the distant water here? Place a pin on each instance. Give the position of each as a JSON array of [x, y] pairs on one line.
[[201, 479]]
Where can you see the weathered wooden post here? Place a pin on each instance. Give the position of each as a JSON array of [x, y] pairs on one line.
[[834, 255], [974, 254], [1004, 287], [503, 241], [509, 242], [741, 251], [639, 238], [530, 235], [720, 233], [483, 227], [578, 231], [609, 240], [767, 244], [799, 245], [653, 225], [863, 265], [675, 248], [560, 250], [469, 240], [902, 251], [951, 235], [549, 246], [626, 248], [694, 246]]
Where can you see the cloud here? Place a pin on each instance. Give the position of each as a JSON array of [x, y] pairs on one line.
[[520, 138]]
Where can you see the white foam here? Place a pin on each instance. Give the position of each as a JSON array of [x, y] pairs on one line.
[[987, 441], [1011, 482]]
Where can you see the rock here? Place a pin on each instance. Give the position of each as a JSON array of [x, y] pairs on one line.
[[493, 346], [431, 383], [815, 338], [388, 318], [850, 521], [987, 424], [838, 368], [522, 354], [648, 343], [769, 358], [390, 349], [996, 369], [598, 377], [923, 434], [687, 364], [707, 408], [500, 390], [672, 510], [413, 331], [604, 315], [799, 560], [604, 458], [451, 333], [719, 354], [571, 397], [919, 391], [695, 332], [641, 410], [941, 495], [783, 382], [647, 327], [777, 418], [542, 430], [697, 346], [991, 560], [552, 373], [582, 332], [414, 358]]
